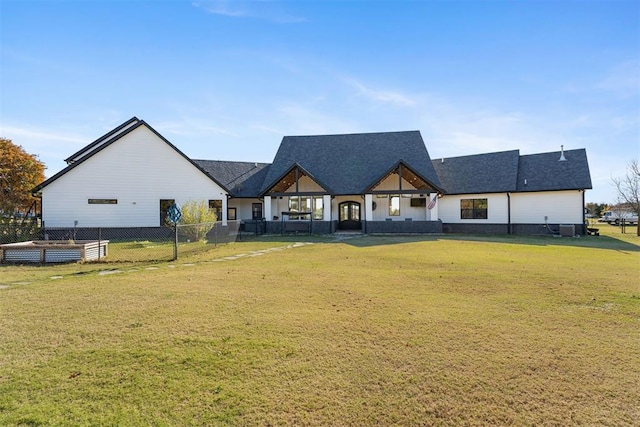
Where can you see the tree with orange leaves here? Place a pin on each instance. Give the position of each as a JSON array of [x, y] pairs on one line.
[[19, 173]]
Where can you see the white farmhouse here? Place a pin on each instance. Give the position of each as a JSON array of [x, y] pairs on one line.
[[370, 182]]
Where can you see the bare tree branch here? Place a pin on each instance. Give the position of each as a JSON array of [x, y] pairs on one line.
[[628, 187]]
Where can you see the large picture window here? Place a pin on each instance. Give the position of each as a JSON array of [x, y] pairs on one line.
[[473, 208], [299, 204]]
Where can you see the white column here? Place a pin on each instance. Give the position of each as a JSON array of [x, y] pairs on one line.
[[267, 208], [326, 205], [224, 209], [433, 213], [368, 207]]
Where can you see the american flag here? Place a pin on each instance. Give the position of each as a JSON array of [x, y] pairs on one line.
[[432, 203]]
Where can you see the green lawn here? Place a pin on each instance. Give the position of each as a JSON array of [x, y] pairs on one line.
[[439, 330]]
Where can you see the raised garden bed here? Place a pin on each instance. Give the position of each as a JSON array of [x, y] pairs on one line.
[[43, 251]]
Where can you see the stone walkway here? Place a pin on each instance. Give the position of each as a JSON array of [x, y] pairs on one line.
[[174, 265]]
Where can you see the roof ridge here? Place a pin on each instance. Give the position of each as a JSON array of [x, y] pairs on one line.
[[350, 134], [103, 139]]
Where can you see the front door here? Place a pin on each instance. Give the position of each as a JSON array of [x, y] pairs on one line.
[[349, 216]]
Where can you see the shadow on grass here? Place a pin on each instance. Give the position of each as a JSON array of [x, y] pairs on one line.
[[596, 242]]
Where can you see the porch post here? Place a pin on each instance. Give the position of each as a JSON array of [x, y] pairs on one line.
[[267, 208], [326, 204], [368, 207], [433, 213], [225, 204]]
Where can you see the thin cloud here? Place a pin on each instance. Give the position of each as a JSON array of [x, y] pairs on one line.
[[17, 133], [266, 10], [379, 95], [190, 127], [623, 79]]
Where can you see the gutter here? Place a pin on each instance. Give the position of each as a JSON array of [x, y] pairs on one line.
[[508, 213]]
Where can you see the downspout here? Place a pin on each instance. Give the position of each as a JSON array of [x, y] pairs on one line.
[[584, 220], [508, 213]]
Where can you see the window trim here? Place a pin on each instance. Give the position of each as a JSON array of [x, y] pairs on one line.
[[102, 201], [254, 210], [393, 212], [479, 209], [216, 209], [232, 214]]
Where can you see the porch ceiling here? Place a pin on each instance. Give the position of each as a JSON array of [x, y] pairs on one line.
[[408, 175], [288, 180]]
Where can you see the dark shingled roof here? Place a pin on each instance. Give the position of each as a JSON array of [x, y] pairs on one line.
[[544, 172], [353, 163], [243, 179], [349, 164], [506, 171], [481, 173]]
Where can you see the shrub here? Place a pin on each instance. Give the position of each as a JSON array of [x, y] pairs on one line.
[[197, 220]]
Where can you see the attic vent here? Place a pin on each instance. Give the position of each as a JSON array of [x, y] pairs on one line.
[[562, 157]]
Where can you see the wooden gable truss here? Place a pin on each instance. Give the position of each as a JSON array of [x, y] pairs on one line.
[[404, 173], [292, 179]]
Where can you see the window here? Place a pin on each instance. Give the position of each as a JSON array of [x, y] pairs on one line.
[[216, 206], [394, 205], [231, 214], [165, 204], [318, 208], [256, 211], [103, 201], [419, 202], [473, 208], [299, 204]]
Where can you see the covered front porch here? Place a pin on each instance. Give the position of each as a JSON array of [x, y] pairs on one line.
[[400, 201]]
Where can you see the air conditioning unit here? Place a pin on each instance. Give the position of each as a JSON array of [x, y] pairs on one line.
[[567, 230]]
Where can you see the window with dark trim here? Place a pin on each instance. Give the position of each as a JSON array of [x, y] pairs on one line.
[[231, 214], [474, 208], [394, 205], [318, 208], [256, 211], [103, 201], [216, 207], [299, 204], [165, 204], [419, 202]]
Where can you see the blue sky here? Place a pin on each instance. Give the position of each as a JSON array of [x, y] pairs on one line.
[[226, 80]]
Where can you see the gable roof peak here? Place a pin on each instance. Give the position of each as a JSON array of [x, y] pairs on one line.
[[104, 139], [350, 163]]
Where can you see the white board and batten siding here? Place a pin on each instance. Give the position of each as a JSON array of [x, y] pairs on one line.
[[560, 207], [138, 171], [497, 208]]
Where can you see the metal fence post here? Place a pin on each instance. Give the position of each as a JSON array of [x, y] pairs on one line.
[[175, 242]]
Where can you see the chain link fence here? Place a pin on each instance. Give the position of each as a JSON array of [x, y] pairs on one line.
[[19, 231], [134, 244]]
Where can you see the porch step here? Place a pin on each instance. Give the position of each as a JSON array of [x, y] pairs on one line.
[[348, 233]]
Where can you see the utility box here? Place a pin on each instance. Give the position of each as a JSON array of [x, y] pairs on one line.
[[567, 230]]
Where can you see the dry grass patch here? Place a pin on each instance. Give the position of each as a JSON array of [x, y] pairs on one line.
[[369, 331]]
